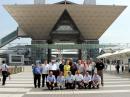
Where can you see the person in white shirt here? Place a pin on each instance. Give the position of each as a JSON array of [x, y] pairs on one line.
[[60, 81], [80, 66], [45, 71], [79, 80], [69, 81], [4, 69], [54, 68], [96, 79], [51, 81], [87, 80], [91, 66]]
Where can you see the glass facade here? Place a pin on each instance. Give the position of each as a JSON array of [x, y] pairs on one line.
[[39, 1]]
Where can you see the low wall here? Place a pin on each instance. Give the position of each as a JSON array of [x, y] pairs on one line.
[[15, 69]]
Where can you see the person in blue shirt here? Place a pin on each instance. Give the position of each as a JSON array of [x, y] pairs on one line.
[[87, 79], [96, 80], [70, 81], [60, 81], [51, 81], [37, 71]]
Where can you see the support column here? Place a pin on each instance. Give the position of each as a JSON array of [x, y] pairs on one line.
[[49, 55], [79, 54]]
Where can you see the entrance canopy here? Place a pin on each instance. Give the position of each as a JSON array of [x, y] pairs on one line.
[[38, 21]]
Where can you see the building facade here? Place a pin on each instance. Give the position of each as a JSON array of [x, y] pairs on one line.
[[64, 22], [90, 2], [39, 1]]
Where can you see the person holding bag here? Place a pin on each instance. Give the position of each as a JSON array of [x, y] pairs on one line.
[[5, 73]]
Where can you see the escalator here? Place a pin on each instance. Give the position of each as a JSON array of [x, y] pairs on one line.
[[10, 37]]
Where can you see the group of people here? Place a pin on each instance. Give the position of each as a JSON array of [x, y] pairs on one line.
[[69, 74]]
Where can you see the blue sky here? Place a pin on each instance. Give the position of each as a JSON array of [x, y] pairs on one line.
[[118, 32]]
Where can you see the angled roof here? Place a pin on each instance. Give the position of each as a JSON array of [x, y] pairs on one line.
[[67, 2], [37, 21]]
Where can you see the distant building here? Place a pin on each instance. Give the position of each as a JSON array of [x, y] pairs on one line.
[[39, 1], [108, 50], [90, 2]]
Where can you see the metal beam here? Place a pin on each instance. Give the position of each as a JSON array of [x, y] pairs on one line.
[[69, 46]]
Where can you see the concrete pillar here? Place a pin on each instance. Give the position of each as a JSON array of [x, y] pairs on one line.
[[49, 55], [79, 54]]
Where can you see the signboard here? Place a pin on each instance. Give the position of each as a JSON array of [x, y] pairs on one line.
[[16, 59]]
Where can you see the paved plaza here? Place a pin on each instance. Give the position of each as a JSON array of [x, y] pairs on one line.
[[21, 85]]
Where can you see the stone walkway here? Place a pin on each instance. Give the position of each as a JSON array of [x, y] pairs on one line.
[[21, 85]]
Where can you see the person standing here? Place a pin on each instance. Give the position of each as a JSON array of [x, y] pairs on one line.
[[54, 68], [73, 68], [91, 66], [45, 71], [117, 68], [66, 68], [4, 69], [37, 71], [100, 66], [81, 67], [61, 66]]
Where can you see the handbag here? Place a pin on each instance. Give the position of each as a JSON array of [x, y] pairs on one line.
[[7, 73]]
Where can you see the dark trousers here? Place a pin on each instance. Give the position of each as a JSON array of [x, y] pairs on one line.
[[50, 85], [100, 73], [79, 83], [70, 85], [43, 79], [4, 73], [118, 70], [88, 85], [37, 77]]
